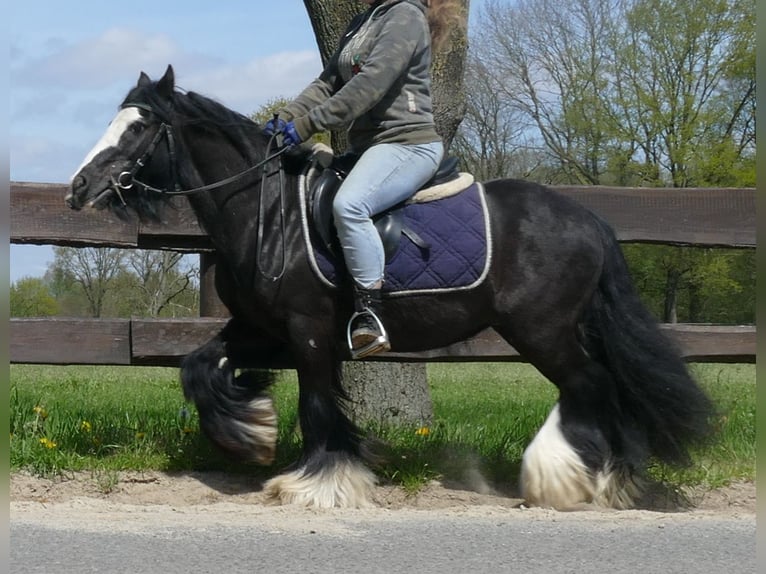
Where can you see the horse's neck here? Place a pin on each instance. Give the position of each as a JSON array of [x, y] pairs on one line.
[[215, 159], [255, 218]]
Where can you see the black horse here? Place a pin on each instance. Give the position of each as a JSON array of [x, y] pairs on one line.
[[557, 289]]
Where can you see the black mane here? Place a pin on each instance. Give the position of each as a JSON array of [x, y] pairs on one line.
[[192, 108]]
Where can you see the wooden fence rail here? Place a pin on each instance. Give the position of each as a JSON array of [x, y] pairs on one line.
[[707, 217]]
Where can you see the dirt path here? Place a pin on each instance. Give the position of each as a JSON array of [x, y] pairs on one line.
[[205, 495]]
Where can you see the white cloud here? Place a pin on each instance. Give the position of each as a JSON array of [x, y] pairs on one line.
[[45, 159], [246, 87], [61, 102], [99, 62], [117, 56]]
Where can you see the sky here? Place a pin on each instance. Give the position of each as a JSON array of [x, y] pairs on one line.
[[71, 64]]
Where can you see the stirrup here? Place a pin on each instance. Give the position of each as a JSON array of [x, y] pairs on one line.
[[378, 345]]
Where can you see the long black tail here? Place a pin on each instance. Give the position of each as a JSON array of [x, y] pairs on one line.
[[235, 412], [658, 398]]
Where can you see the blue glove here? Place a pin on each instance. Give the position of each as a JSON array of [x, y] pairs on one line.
[[271, 128], [291, 136]]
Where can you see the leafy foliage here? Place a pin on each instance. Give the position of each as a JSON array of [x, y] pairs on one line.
[[96, 282], [654, 93], [674, 105], [32, 297]]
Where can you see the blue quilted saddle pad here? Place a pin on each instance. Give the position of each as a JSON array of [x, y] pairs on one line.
[[456, 230]]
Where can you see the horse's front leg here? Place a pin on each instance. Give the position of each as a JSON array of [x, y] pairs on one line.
[[331, 471], [236, 413]]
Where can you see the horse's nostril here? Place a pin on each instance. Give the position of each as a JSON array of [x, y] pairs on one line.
[[70, 202], [77, 191]]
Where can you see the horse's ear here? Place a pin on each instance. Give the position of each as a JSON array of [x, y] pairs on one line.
[[166, 84], [143, 80]]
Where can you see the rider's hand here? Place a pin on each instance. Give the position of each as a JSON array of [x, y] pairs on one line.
[[271, 127], [291, 136]]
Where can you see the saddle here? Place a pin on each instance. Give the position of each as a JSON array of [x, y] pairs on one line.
[[390, 224]]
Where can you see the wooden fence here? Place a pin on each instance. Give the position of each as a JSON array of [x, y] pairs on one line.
[[706, 217]]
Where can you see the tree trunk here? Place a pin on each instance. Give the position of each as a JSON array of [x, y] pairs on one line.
[[695, 304], [393, 393], [447, 71], [329, 19], [670, 314], [388, 393]]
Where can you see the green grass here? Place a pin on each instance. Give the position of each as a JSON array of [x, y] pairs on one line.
[[109, 419]]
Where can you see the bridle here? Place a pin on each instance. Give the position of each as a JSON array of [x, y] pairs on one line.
[[126, 179]]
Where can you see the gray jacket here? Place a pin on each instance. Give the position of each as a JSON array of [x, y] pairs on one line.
[[377, 84]]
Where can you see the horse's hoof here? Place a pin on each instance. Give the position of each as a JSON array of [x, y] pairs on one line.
[[342, 484], [553, 475]]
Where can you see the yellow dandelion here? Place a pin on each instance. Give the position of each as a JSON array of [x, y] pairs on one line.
[[188, 430], [85, 426], [140, 435], [423, 431], [47, 443], [40, 412]]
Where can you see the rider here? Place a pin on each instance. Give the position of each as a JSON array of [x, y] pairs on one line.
[[378, 85]]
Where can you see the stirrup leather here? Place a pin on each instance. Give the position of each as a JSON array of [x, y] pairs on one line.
[[379, 344]]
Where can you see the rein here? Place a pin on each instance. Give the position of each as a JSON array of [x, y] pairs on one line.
[[126, 179]]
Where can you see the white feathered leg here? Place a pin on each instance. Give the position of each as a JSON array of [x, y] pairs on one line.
[[341, 483], [554, 475]]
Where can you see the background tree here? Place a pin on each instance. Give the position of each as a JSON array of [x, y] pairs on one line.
[[549, 61], [646, 111], [92, 269], [160, 280], [32, 297], [493, 139], [100, 282], [672, 106], [677, 69]]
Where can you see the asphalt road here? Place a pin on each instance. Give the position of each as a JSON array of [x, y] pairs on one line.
[[227, 539]]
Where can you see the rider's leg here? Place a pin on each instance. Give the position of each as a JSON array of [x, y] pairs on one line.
[[386, 174]]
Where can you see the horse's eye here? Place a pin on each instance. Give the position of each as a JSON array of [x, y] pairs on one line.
[[137, 127]]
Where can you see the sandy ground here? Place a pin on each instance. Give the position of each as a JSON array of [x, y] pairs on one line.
[[131, 500]]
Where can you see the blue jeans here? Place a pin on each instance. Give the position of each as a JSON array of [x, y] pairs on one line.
[[385, 174]]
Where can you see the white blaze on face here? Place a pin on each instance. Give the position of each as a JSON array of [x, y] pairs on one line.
[[113, 133]]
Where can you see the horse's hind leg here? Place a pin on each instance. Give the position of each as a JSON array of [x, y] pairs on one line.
[[235, 411], [584, 453], [331, 471], [625, 394]]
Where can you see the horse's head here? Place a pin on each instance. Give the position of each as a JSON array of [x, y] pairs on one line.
[[132, 146]]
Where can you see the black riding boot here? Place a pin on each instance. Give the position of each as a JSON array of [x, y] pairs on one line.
[[366, 334]]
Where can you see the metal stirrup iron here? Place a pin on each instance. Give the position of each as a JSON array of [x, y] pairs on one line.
[[379, 344]]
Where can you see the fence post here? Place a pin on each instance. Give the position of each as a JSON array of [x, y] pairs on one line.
[[209, 303]]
